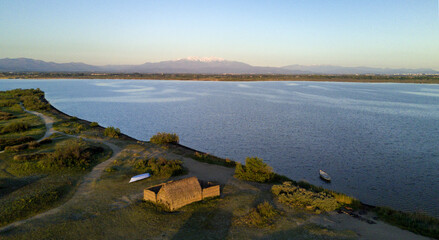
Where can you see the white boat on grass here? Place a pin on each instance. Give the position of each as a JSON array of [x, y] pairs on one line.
[[139, 177]]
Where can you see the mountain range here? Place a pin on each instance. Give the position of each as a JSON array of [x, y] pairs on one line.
[[195, 65]]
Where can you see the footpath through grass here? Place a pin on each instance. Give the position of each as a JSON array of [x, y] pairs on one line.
[[37, 176]]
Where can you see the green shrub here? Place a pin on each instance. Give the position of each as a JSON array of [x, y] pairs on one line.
[[415, 222], [69, 154], [297, 197], [23, 146], [341, 198], [6, 116], [164, 138], [261, 216], [70, 127], [94, 124], [34, 103], [254, 170], [15, 127], [160, 167], [30, 157], [14, 141], [33, 99], [112, 132], [7, 103], [17, 148]]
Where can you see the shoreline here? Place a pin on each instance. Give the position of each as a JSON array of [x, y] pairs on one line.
[[212, 170], [127, 137], [350, 78], [225, 81]]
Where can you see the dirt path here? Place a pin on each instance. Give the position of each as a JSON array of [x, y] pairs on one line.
[[204, 171], [86, 185], [48, 121]]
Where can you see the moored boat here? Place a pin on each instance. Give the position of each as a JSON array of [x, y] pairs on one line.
[[325, 176]]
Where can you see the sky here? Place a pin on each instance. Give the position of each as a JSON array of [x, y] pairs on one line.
[[375, 33]]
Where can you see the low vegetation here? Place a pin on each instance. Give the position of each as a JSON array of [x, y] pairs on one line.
[[70, 154], [6, 116], [164, 138], [112, 132], [7, 102], [262, 216], [159, 167], [415, 222], [21, 147], [297, 197], [4, 142], [15, 127], [36, 176], [254, 170], [33, 198], [70, 127]]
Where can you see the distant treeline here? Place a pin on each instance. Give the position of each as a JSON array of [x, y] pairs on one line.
[[227, 77]]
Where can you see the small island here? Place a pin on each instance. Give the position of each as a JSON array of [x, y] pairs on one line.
[[64, 177]]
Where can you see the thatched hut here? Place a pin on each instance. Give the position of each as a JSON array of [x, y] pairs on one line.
[[176, 194]]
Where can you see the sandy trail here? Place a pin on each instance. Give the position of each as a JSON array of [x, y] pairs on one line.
[[204, 171], [86, 185], [48, 121]]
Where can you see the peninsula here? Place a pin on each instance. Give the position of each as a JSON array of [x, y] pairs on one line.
[[64, 177]]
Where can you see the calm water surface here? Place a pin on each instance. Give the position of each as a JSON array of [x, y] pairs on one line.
[[379, 142]]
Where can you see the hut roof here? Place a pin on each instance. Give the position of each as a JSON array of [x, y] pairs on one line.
[[184, 188]]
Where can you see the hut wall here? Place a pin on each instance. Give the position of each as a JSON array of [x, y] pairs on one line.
[[149, 195], [213, 191], [184, 200]]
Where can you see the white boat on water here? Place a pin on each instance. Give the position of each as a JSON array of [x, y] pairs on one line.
[[325, 176], [139, 177]]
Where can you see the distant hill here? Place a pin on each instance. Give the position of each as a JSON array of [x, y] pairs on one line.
[[202, 65], [194, 65], [31, 65], [329, 69]]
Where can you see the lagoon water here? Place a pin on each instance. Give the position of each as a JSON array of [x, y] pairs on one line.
[[379, 142]]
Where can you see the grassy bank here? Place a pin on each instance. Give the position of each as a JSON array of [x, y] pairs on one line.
[[414, 222], [37, 176]]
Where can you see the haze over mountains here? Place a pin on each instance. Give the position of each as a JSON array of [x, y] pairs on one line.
[[195, 65]]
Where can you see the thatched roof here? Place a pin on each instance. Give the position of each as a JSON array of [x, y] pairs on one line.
[[181, 189]]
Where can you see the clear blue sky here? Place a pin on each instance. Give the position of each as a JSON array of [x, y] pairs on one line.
[[378, 33]]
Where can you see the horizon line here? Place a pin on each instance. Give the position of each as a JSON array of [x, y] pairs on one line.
[[213, 59]]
